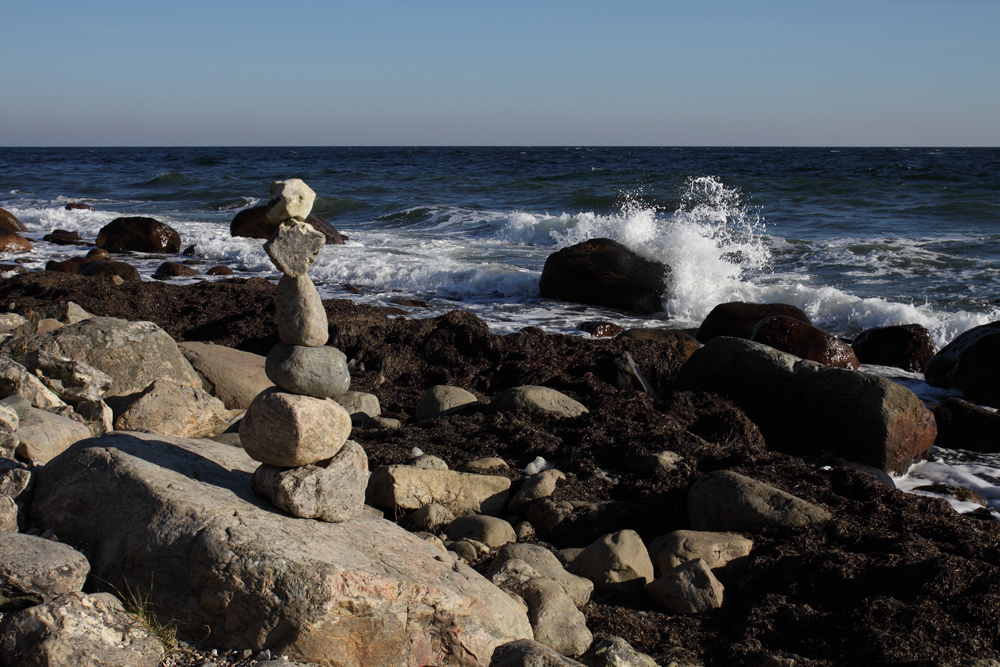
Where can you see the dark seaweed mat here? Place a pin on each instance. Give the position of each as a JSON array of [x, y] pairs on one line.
[[893, 579]]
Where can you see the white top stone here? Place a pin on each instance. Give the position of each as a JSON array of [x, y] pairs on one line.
[[290, 199]]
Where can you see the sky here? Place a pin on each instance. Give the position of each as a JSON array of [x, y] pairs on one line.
[[540, 72]]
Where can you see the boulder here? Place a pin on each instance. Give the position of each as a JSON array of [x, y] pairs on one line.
[[615, 652], [603, 272], [300, 313], [311, 371], [44, 435], [169, 408], [77, 206], [289, 430], [727, 501], [534, 398], [16, 380], [738, 319], [716, 550], [223, 563], [432, 517], [444, 400], [906, 346], [409, 488], [971, 364], [15, 479], [331, 490], [9, 222], [547, 565], [79, 630], [73, 381], [98, 253], [132, 353], [294, 247], [804, 341], [805, 408], [220, 271], [233, 376], [126, 272], [290, 199], [174, 270], [64, 237], [13, 242], [8, 515], [964, 425], [71, 265], [489, 530], [689, 588], [138, 234], [253, 223], [539, 485], [362, 406], [34, 570], [601, 329], [617, 561], [555, 620], [529, 653]]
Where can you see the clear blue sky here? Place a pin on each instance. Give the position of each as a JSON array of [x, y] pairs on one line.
[[542, 72]]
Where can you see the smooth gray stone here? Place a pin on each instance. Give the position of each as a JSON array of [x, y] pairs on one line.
[[33, 568], [308, 371], [300, 313]]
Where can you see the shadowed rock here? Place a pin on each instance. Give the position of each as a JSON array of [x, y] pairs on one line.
[[138, 234]]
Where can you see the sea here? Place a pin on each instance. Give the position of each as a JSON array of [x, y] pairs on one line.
[[856, 237]]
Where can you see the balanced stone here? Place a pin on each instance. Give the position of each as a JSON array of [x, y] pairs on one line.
[[332, 491], [289, 430], [290, 199], [294, 247], [299, 311], [311, 371]]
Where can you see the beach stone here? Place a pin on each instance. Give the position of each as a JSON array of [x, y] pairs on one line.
[[64, 237], [253, 223], [174, 270], [294, 247], [169, 408], [9, 417], [617, 561], [10, 222], [805, 341], [737, 319], [47, 324], [615, 652], [8, 515], [220, 270], [126, 272], [289, 430], [11, 321], [361, 405], [603, 272], [547, 565], [13, 242], [601, 329], [432, 517], [513, 574], [34, 570], [15, 479], [331, 491], [16, 380], [489, 530], [8, 441], [233, 376], [543, 399], [964, 425], [971, 364], [132, 353], [98, 253], [689, 588], [539, 485], [311, 371], [529, 653], [73, 381], [430, 461], [376, 423], [44, 435], [19, 404], [71, 265], [299, 311], [805, 408], [442, 401], [79, 630], [485, 463], [906, 346], [223, 559], [138, 234], [726, 554], [409, 488], [726, 501], [98, 415], [77, 206], [465, 549], [290, 198], [555, 620]]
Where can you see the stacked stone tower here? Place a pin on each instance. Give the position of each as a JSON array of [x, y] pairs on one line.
[[310, 468]]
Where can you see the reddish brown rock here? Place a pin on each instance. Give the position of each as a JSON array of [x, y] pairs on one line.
[[16, 268], [10, 222], [138, 234], [738, 319], [13, 242], [71, 265], [99, 253], [970, 363], [601, 329], [907, 346], [805, 341], [220, 271], [126, 272], [603, 272], [64, 237], [964, 425], [253, 223], [79, 207], [173, 270]]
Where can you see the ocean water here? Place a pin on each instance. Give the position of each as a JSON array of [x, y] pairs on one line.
[[858, 238]]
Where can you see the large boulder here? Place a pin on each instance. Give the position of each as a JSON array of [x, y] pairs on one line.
[[10, 222], [804, 340], [805, 408], [603, 272], [738, 319], [970, 363], [906, 346], [126, 272], [178, 520], [138, 234], [169, 408], [964, 425], [233, 376], [253, 223], [13, 242], [729, 501]]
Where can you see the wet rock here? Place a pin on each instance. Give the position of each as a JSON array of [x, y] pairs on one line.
[[299, 312], [77, 206], [805, 341], [543, 399], [71, 265], [10, 222], [727, 501], [253, 223], [906, 346], [311, 371], [233, 376], [971, 364], [34, 570], [442, 401], [64, 237], [126, 272], [689, 588], [738, 319], [220, 271], [601, 329], [288, 430], [13, 242], [617, 561], [489, 530], [409, 488], [138, 234], [169, 408], [174, 270], [604, 273], [964, 425]]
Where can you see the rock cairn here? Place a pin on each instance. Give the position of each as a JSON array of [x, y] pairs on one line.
[[300, 435]]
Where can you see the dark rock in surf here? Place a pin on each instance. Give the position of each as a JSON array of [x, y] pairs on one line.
[[138, 234], [738, 319], [603, 272], [220, 271], [964, 425], [804, 340], [970, 363], [10, 222], [79, 207], [64, 237], [13, 242], [601, 329], [71, 265], [173, 270], [252, 223], [906, 346], [126, 272], [98, 253]]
